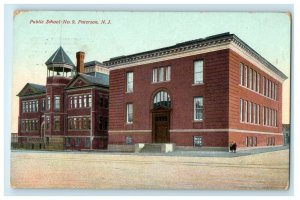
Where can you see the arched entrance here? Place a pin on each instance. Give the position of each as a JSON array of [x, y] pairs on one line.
[[161, 117]]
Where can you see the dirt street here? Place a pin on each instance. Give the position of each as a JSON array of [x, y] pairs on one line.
[[130, 171]]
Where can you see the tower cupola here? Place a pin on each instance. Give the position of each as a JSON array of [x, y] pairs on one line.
[[60, 64]]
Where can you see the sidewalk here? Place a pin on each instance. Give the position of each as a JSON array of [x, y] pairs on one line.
[[242, 152]]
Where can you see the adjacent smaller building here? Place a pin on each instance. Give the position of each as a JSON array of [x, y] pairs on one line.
[[70, 111]]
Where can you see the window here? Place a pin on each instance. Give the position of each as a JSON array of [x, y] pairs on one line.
[[246, 76], [90, 100], [71, 102], [197, 141], [254, 113], [254, 80], [250, 112], [30, 106], [250, 78], [23, 107], [23, 125], [79, 101], [68, 142], [198, 72], [258, 114], [267, 88], [36, 105], [198, 108], [56, 103], [154, 74], [33, 106], [161, 74], [168, 73], [79, 123], [84, 101], [57, 123], [129, 82], [129, 116], [88, 123], [246, 111], [48, 103], [77, 142], [264, 86], [241, 74], [87, 142], [255, 141], [128, 140], [26, 107], [84, 125], [258, 83], [270, 88], [162, 98], [75, 123], [75, 102], [241, 109], [275, 92]]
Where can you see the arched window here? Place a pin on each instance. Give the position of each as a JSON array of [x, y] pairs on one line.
[[162, 98]]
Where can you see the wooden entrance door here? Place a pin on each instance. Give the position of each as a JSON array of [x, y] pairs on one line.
[[161, 126]]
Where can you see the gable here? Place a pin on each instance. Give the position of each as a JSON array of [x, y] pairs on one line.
[[28, 90], [78, 82]]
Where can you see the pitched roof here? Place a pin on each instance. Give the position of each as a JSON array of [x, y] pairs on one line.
[[37, 89], [59, 57], [94, 78]]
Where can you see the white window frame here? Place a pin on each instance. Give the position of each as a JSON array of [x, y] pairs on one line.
[[198, 72], [241, 109], [246, 112], [258, 83], [246, 76], [56, 103], [75, 101], [48, 103], [129, 82], [80, 101], [241, 74], [154, 75], [161, 74], [250, 79], [254, 80], [129, 113], [168, 73], [254, 113], [250, 112], [200, 109]]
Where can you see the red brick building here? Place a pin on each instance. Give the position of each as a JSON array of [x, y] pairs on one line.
[[201, 93], [70, 111]]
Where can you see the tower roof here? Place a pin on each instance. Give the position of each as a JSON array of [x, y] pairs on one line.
[[59, 57]]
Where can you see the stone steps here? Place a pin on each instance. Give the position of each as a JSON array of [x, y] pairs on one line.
[[151, 148]]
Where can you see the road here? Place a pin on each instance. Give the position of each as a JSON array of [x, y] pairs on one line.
[[130, 171]]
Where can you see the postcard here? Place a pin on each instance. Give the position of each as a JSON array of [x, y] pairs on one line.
[[150, 100]]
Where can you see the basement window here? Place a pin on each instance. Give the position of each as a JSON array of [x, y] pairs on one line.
[[197, 141], [128, 140]]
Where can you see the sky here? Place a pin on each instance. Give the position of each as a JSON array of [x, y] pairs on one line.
[[133, 32]]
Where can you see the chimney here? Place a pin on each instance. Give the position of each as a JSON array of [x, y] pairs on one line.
[[80, 62]]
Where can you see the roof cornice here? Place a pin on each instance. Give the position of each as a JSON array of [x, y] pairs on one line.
[[191, 46]]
